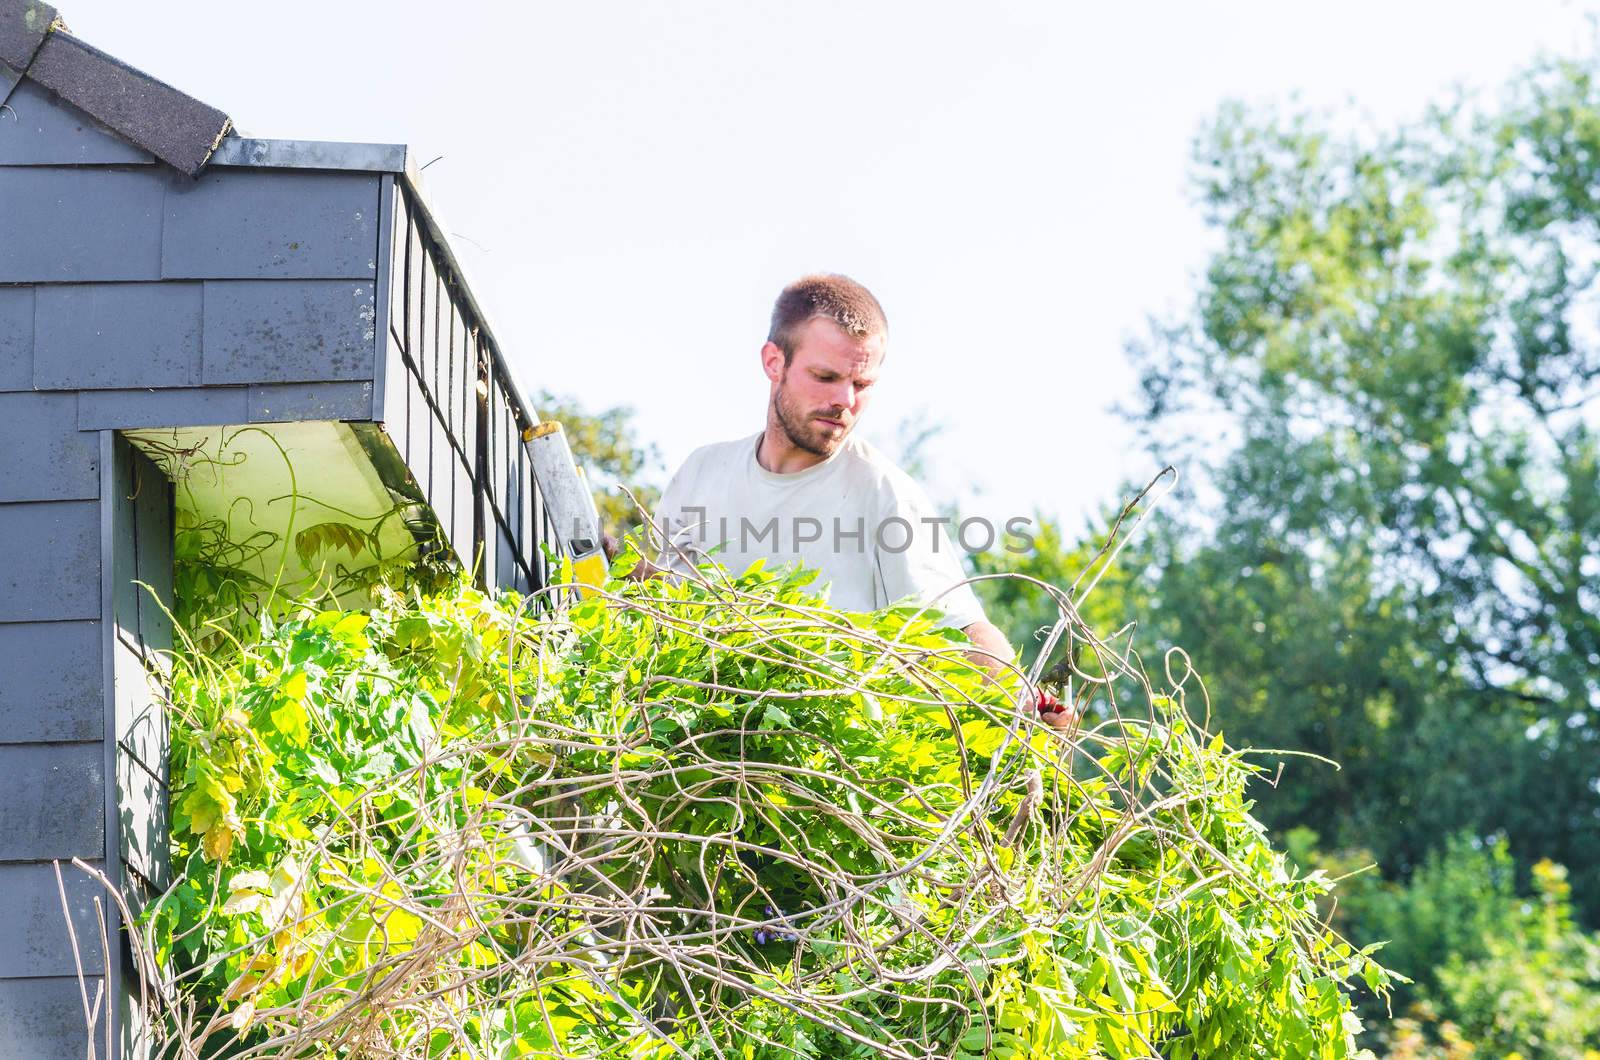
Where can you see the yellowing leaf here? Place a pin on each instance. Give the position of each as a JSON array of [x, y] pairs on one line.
[[241, 902], [218, 841], [287, 873], [287, 899], [351, 624], [480, 956], [202, 809], [301, 963], [246, 893], [255, 971], [396, 930], [313, 540]]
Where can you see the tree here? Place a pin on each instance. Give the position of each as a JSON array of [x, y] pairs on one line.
[[1398, 568]]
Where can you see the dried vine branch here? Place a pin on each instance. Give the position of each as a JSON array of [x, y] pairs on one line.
[[711, 818]]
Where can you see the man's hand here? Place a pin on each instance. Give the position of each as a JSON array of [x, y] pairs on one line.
[[1053, 712], [990, 647]]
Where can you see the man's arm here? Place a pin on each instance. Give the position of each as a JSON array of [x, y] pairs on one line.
[[642, 570], [992, 651], [928, 570]]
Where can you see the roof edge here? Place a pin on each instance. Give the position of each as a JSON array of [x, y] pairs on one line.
[[310, 154], [428, 213], [148, 113], [24, 24]]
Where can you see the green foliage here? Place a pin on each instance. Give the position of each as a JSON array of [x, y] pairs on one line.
[[1025, 611], [270, 752], [1399, 572], [229, 572], [1459, 897], [1391, 327], [1386, 404], [1536, 988], [711, 815], [213, 575], [1494, 970]]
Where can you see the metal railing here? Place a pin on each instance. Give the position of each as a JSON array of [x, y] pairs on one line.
[[465, 419]]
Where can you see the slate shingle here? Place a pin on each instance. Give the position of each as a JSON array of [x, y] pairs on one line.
[[212, 406], [16, 338], [52, 688], [176, 128], [102, 335], [33, 929], [46, 457], [44, 130], [267, 224], [73, 225], [50, 569], [289, 331], [44, 1017], [54, 795]]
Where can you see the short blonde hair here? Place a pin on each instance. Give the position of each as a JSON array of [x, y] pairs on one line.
[[839, 298]]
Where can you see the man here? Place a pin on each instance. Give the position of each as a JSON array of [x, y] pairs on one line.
[[805, 489]]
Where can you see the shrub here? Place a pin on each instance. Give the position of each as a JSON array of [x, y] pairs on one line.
[[1453, 904], [711, 818], [1534, 990], [1495, 971]]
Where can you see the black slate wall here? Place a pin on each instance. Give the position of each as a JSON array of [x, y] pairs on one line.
[[130, 296]]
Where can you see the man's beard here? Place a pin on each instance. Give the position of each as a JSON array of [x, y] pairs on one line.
[[796, 423]]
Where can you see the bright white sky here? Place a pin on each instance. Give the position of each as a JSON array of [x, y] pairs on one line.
[[630, 183]]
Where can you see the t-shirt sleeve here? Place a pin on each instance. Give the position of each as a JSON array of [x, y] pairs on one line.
[[928, 569]]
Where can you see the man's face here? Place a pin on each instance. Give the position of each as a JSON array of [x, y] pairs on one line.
[[823, 390]]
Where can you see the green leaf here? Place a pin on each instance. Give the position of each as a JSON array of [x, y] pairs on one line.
[[289, 718]]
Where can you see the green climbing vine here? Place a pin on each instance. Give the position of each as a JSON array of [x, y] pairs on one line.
[[229, 571], [711, 817], [442, 829]]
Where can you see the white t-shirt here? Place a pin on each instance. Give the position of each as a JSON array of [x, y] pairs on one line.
[[856, 517]]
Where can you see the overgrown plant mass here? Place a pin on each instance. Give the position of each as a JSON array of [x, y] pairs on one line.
[[710, 818]]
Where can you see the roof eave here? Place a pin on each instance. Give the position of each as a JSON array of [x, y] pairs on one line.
[[150, 114], [310, 154]]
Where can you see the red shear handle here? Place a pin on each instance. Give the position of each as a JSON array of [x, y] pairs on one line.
[[1053, 712]]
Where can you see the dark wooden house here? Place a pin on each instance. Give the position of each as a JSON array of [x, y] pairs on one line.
[[171, 292]]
